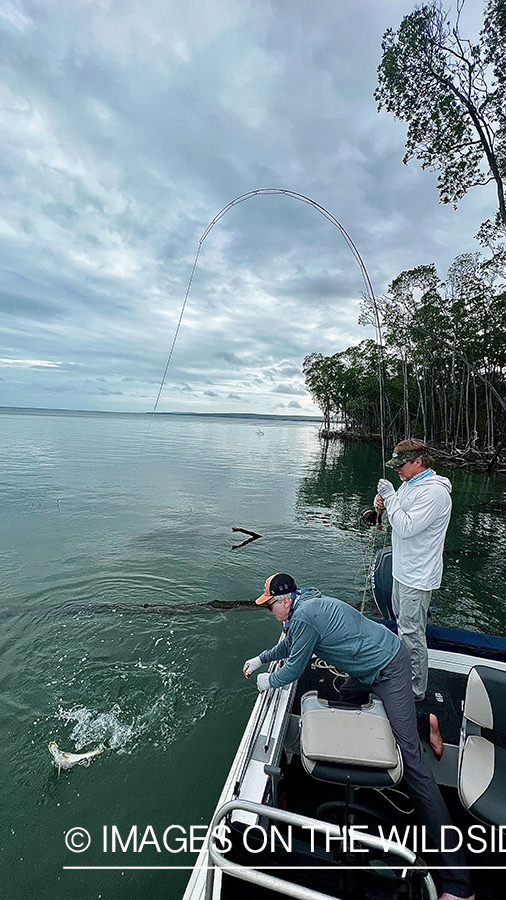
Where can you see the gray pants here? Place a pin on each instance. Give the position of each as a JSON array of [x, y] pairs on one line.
[[393, 686], [410, 606]]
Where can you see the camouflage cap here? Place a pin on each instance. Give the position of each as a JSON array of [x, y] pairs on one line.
[[401, 457]]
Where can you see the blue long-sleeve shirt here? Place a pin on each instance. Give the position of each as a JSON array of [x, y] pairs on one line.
[[336, 633]]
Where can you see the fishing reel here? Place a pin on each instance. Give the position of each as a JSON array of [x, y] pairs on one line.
[[369, 516]]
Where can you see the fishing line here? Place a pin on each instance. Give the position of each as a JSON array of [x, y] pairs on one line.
[[178, 325], [352, 246], [369, 564], [365, 275]]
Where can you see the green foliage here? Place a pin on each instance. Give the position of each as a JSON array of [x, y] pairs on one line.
[[444, 355], [452, 94], [322, 375]]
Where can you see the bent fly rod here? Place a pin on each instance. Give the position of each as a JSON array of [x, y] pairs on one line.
[[352, 246]]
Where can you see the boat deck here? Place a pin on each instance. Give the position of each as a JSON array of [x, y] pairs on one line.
[[302, 794]]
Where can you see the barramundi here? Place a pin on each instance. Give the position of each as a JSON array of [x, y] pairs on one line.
[[63, 759]]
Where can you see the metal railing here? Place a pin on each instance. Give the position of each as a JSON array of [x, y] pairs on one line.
[[280, 885], [269, 698]]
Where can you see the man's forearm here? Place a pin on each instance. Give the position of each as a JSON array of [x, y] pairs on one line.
[[279, 651]]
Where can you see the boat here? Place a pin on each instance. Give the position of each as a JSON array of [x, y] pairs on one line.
[[286, 825]]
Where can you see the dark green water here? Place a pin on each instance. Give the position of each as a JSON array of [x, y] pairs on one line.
[[100, 515]]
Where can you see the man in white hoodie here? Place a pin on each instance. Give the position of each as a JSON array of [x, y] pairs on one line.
[[419, 513]]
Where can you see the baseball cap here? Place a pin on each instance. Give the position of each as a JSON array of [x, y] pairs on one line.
[[277, 586], [403, 456]]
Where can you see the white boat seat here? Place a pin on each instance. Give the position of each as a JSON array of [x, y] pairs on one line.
[[348, 744], [482, 763]]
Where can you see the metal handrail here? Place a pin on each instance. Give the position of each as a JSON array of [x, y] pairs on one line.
[[280, 885], [271, 694], [277, 700]]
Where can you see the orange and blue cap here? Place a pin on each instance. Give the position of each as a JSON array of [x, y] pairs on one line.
[[278, 585]]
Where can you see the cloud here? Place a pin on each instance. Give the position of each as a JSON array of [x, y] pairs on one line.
[[29, 363], [230, 358], [288, 389], [288, 369], [129, 127]]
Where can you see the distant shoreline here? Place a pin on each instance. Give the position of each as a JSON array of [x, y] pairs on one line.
[[37, 411]]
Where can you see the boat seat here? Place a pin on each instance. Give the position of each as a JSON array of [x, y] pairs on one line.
[[482, 762], [348, 744]]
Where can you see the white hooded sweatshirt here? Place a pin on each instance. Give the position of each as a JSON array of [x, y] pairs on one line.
[[419, 513]]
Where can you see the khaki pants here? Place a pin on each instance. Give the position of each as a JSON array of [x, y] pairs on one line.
[[410, 606]]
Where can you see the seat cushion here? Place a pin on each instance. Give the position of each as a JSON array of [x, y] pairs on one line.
[[358, 776], [341, 744], [486, 698], [482, 782], [348, 735]]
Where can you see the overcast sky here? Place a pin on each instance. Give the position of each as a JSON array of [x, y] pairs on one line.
[[126, 126]]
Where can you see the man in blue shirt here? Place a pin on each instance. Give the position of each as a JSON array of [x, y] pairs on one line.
[[374, 658]]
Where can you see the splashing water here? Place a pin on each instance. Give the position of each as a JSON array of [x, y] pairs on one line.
[[92, 726]]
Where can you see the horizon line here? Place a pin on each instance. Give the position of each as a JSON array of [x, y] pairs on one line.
[[40, 410]]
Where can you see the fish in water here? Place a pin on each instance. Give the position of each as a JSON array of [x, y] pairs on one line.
[[65, 760], [161, 609]]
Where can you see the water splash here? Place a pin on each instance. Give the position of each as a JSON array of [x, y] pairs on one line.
[[91, 726], [165, 718]]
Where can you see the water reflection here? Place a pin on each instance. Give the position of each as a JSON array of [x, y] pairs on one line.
[[341, 480], [338, 484]]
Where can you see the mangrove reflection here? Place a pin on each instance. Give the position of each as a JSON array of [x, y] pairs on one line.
[[341, 481], [339, 484]]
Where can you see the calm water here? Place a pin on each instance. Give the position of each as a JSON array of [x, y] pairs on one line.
[[100, 515]]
